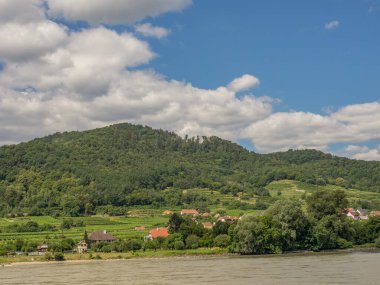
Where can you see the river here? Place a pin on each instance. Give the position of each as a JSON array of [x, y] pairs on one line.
[[342, 268]]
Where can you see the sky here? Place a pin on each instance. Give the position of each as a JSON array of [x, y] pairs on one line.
[[269, 75]]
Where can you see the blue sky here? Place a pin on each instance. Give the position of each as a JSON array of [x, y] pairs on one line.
[[270, 75], [284, 43]]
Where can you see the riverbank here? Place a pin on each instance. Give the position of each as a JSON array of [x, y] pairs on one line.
[[73, 257]]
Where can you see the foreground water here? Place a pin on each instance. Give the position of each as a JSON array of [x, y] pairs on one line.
[[352, 268]]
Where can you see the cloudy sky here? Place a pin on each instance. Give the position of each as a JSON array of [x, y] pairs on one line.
[[270, 75]]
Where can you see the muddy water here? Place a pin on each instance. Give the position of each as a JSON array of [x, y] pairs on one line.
[[350, 268]]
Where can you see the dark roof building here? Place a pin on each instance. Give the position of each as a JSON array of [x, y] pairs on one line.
[[101, 236]]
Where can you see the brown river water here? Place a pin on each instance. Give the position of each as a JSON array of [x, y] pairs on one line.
[[342, 268]]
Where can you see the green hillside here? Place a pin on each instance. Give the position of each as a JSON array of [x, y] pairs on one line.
[[111, 169]]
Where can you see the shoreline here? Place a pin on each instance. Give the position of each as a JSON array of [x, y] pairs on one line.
[[213, 252]]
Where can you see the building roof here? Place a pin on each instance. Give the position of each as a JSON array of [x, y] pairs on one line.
[[159, 232], [101, 236], [189, 212], [167, 212], [207, 214], [207, 225]]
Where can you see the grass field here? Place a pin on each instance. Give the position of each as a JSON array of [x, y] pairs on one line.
[[295, 189]]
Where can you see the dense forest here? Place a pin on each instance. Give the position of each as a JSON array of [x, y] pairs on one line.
[[75, 173]]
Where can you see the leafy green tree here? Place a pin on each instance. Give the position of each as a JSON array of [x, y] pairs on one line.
[[222, 240], [325, 203], [293, 224], [192, 242], [175, 222], [256, 235]]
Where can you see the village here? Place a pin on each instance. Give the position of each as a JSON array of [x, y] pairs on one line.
[[206, 220], [92, 240]]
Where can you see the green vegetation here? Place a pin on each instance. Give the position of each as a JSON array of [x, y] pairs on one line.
[[113, 169], [285, 226]]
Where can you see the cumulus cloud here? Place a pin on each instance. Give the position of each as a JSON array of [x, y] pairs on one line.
[[281, 131], [363, 152], [148, 30], [74, 80], [332, 25], [113, 11], [243, 83]]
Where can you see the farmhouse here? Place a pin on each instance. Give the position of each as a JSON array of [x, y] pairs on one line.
[[191, 212], [81, 247], [42, 248], [101, 236], [358, 214], [227, 219], [156, 233]]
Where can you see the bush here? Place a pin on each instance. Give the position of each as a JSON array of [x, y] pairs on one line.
[[222, 240], [192, 242], [48, 256], [58, 256], [179, 245], [377, 242]]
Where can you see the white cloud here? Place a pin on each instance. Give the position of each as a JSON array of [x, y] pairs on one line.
[[242, 83], [21, 11], [332, 25], [85, 64], [281, 131], [113, 11], [148, 30], [22, 42], [76, 80], [364, 152]]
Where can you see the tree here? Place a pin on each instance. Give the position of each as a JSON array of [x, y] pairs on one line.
[[326, 202], [256, 235], [175, 222], [291, 221]]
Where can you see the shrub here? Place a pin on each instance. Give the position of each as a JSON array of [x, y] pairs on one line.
[[377, 242], [58, 256], [222, 240], [192, 242], [179, 245]]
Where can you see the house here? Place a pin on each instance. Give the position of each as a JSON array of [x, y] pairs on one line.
[[157, 232], [207, 214], [100, 236], [353, 215], [191, 212], [208, 225], [227, 219], [359, 214], [374, 213], [81, 247], [167, 212], [42, 248]]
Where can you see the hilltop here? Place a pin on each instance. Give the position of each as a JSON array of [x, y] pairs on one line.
[[126, 165]]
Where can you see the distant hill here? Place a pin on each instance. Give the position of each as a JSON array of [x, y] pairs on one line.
[[126, 165]]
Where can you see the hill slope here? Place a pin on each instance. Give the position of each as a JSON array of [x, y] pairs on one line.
[[128, 165]]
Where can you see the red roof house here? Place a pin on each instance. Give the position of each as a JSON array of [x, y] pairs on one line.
[[158, 232], [167, 212]]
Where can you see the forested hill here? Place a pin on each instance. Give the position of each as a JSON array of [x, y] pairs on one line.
[[126, 164]]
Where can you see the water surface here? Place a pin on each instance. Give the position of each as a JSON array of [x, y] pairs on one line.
[[350, 268]]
